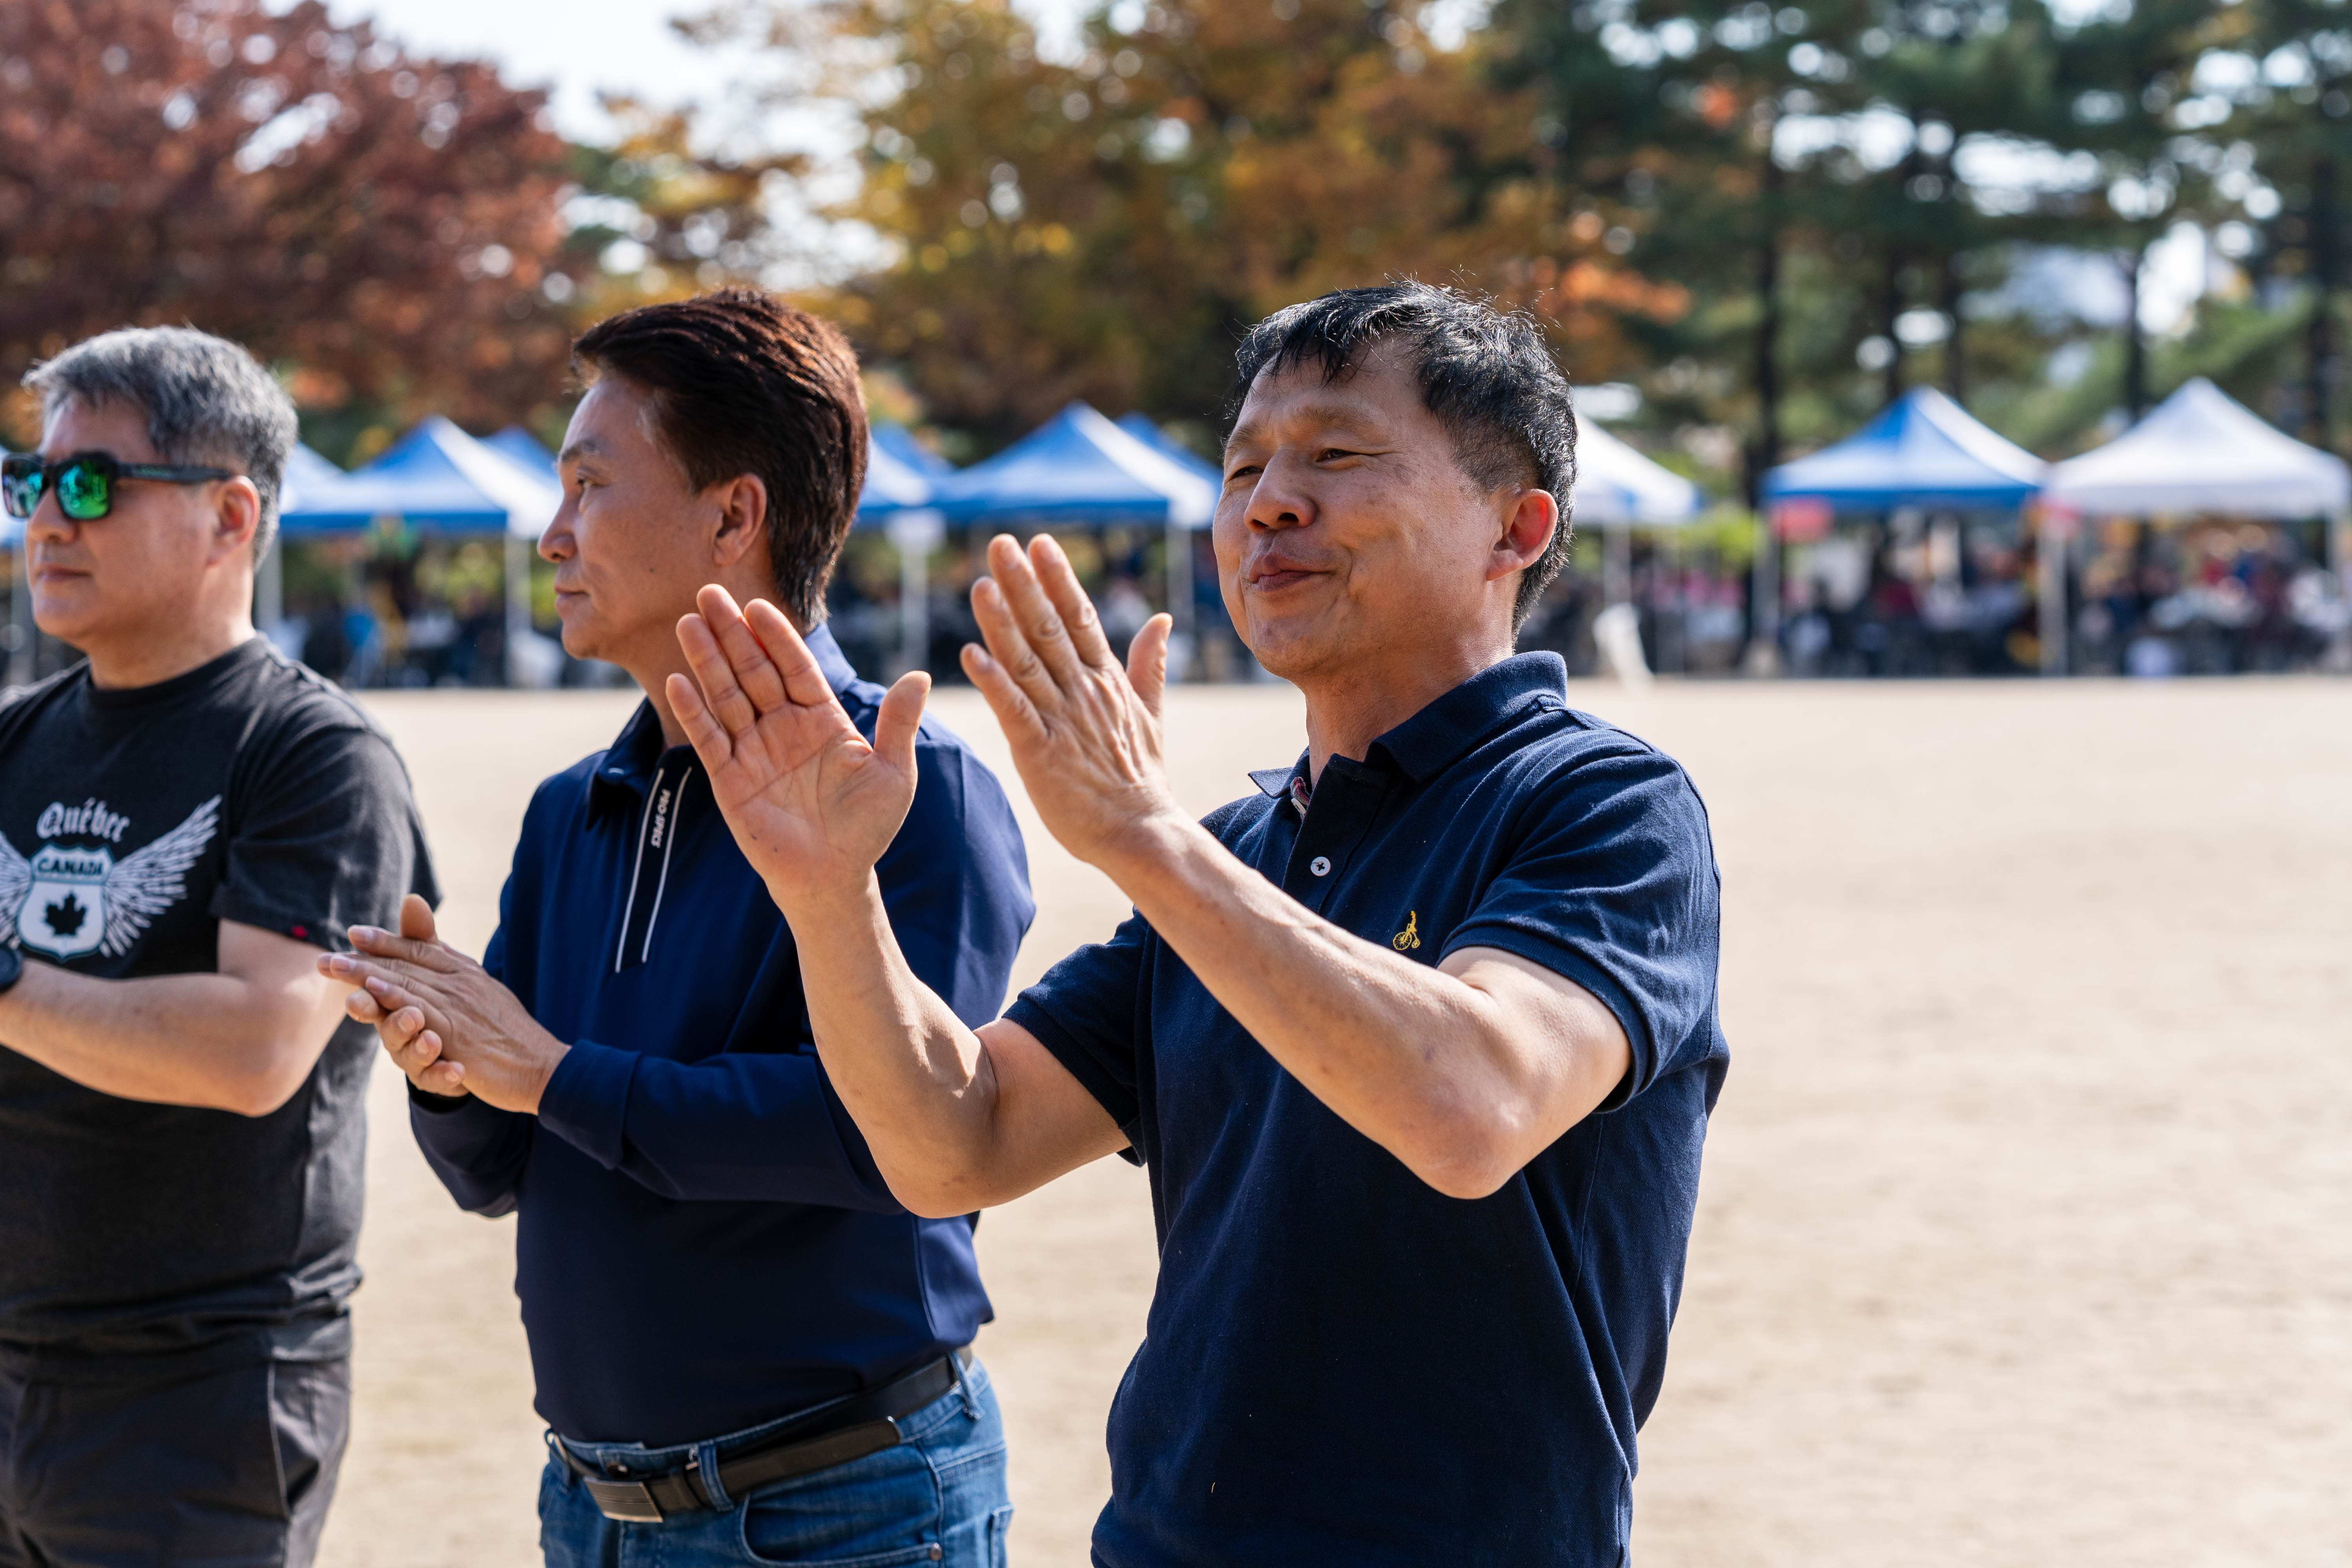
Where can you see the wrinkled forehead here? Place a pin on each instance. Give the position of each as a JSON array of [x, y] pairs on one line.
[[1376, 392]]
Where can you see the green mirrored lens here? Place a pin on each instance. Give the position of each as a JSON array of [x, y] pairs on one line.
[[22, 489], [83, 491]]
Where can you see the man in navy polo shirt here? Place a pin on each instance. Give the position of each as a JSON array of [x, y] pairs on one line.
[[1419, 1042], [742, 1341]]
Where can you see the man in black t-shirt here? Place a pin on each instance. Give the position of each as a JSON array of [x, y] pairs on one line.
[[184, 821]]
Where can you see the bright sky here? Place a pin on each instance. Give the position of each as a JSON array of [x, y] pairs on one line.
[[580, 48], [584, 46]]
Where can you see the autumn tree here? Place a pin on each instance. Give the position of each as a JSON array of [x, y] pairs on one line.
[[1104, 226], [383, 226]]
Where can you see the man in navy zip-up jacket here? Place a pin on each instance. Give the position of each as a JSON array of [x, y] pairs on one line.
[[740, 1338]]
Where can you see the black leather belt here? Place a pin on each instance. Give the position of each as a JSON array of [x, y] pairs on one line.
[[861, 1424]]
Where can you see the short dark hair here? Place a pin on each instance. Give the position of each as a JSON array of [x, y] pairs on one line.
[[744, 384], [1486, 372], [206, 401]]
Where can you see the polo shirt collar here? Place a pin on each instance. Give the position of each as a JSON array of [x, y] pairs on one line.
[[627, 771], [1425, 745]]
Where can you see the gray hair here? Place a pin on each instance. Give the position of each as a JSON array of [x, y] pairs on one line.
[[207, 402]]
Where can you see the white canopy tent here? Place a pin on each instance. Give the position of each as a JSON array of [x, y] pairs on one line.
[[2200, 450], [1617, 490]]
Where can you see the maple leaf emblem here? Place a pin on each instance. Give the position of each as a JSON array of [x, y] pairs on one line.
[[65, 916]]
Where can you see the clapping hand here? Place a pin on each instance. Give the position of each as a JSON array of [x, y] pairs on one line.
[[810, 803], [1085, 731], [446, 1023]]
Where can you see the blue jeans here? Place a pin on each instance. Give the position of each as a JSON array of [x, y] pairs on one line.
[[938, 1498]]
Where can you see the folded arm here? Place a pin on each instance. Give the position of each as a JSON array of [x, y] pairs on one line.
[[242, 1039]]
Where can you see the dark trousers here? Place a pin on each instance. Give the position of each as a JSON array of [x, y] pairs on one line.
[[230, 1469]]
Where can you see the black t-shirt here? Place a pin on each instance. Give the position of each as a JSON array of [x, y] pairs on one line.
[[132, 823]]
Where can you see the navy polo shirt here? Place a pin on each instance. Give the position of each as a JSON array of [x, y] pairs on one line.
[[1341, 1363], [703, 1241]]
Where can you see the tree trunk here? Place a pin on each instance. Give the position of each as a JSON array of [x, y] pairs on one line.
[[1955, 363], [1765, 455], [2134, 262], [2327, 278], [1890, 305]]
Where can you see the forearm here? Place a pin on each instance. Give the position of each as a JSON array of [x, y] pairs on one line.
[[916, 1081], [740, 1126], [213, 1041], [1427, 1064]]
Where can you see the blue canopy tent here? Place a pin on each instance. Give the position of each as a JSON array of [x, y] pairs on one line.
[[1079, 468], [900, 444], [1140, 426], [440, 479], [899, 476], [524, 447], [1923, 450]]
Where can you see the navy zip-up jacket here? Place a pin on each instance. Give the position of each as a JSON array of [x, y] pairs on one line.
[[703, 1241]]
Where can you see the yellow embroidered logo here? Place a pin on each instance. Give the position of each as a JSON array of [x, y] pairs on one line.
[[1411, 936]]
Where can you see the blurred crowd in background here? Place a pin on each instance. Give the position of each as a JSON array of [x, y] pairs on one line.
[[1747, 227]]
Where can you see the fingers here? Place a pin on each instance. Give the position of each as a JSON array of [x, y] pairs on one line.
[[416, 919], [361, 1008], [1040, 623], [1146, 661], [900, 717], [703, 731], [757, 670], [781, 647], [377, 943], [1069, 601], [1009, 650], [1015, 714], [421, 1062], [700, 637]]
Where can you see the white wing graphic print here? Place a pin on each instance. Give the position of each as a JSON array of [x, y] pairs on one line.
[[146, 884], [16, 881]]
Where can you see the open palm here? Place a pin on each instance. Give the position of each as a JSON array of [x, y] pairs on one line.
[[812, 804]]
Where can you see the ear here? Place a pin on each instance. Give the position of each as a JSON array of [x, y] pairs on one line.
[[742, 531], [237, 516], [1527, 531]]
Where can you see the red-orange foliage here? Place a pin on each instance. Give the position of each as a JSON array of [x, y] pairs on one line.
[[381, 221]]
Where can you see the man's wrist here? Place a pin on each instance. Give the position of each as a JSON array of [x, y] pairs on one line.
[[551, 1057], [814, 906], [1145, 848]]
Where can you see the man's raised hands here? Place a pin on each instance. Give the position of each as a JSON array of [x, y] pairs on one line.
[[812, 804], [1085, 731]]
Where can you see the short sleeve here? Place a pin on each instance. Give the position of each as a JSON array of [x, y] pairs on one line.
[[1087, 1010], [1610, 881], [326, 836]]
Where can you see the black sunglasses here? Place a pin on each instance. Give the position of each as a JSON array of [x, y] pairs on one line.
[[84, 481]]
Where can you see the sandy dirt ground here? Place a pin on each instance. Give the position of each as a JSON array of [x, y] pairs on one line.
[[2026, 1231]]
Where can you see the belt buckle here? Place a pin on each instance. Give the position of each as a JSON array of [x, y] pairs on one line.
[[631, 1502]]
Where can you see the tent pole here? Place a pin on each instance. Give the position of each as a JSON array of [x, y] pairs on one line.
[[269, 584], [517, 603], [1180, 599], [915, 534], [914, 608], [1764, 641], [2051, 533], [1616, 563]]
